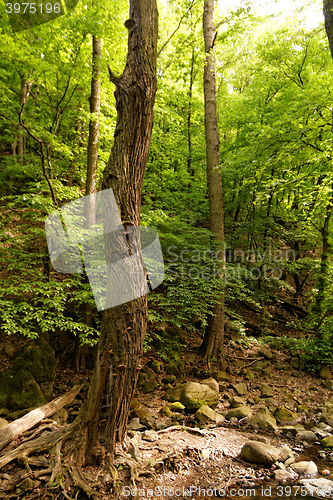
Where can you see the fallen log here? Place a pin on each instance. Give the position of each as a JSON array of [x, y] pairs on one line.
[[12, 430]]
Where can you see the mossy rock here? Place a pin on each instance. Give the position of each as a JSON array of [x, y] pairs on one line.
[[177, 406], [165, 411], [285, 416], [155, 366], [19, 390], [149, 387], [169, 379], [327, 442], [175, 368], [38, 359], [193, 395]]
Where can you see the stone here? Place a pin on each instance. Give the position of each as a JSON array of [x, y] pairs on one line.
[[155, 366], [263, 420], [281, 366], [169, 379], [148, 422], [149, 387], [135, 425], [286, 453], [307, 436], [329, 384], [193, 395], [318, 487], [236, 401], [3, 423], [283, 475], [10, 351], [61, 416], [206, 414], [325, 373], [327, 442], [175, 368], [165, 411], [151, 436], [266, 391], [260, 365], [134, 452], [304, 468], [239, 412], [259, 453], [285, 416], [177, 406], [163, 424], [26, 484], [221, 376], [212, 383], [266, 353], [241, 389]]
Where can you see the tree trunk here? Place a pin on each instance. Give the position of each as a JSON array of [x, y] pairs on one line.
[[123, 329], [214, 334], [328, 16], [25, 91]]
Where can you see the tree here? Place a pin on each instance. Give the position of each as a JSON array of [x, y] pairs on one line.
[[215, 330]]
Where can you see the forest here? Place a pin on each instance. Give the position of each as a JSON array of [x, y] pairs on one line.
[[166, 266]]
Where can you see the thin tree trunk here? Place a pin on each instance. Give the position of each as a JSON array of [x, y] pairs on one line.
[[25, 91], [123, 329], [214, 334], [328, 16]]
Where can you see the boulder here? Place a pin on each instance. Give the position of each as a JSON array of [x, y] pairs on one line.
[[239, 412], [285, 416], [321, 487], [283, 475], [327, 442], [236, 401], [241, 389], [286, 453], [149, 387], [289, 429], [3, 423], [177, 406], [325, 373], [165, 411], [266, 353], [155, 366], [193, 395], [212, 383], [266, 391], [304, 468], [206, 414], [135, 425], [169, 379], [307, 436], [221, 376], [259, 453], [263, 420], [151, 436]]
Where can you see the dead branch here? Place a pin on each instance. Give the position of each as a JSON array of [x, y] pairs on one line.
[[12, 430]]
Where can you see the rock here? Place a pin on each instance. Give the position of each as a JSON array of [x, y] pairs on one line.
[[259, 453], [307, 436], [148, 422], [151, 436], [206, 414], [177, 406], [212, 383], [329, 384], [263, 420], [26, 484], [241, 389], [280, 366], [135, 425], [10, 351], [163, 424], [19, 390], [325, 373], [283, 475], [260, 365], [318, 487], [61, 416], [327, 442], [165, 411], [149, 387], [193, 395], [321, 434], [266, 353], [285, 416], [236, 401], [262, 439], [134, 452], [239, 412], [169, 379], [175, 368], [3, 423], [305, 468], [155, 366], [295, 363], [221, 376], [286, 453], [266, 391]]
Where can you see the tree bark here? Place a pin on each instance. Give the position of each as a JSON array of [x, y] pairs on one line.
[[123, 329], [328, 16], [214, 334]]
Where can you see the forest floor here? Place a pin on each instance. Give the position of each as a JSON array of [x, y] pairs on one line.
[[184, 459]]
